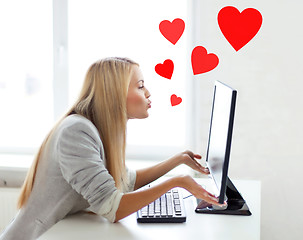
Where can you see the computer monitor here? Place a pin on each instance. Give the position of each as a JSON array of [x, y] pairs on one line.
[[218, 153], [220, 135]]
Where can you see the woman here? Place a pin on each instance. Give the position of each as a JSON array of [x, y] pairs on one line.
[[81, 163]]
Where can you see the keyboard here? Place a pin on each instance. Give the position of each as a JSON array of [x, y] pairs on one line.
[[169, 208]]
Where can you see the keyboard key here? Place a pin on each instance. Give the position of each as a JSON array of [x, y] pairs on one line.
[[178, 208], [151, 209], [163, 210], [170, 212], [157, 206], [176, 196]]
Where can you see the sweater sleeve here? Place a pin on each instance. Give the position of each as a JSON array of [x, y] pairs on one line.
[[131, 180], [81, 162]]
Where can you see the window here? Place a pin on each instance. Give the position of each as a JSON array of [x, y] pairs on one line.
[[26, 74], [48, 48]]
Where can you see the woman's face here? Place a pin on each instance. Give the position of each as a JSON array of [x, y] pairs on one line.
[[137, 98]]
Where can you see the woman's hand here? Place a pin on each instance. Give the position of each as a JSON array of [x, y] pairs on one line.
[[188, 183], [189, 158]]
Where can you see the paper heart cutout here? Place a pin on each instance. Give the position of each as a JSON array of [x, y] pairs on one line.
[[172, 31], [202, 61], [174, 100], [166, 69], [239, 28]]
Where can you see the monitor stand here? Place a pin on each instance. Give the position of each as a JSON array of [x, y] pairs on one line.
[[236, 205]]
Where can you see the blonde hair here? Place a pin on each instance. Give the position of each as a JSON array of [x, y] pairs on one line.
[[102, 100]]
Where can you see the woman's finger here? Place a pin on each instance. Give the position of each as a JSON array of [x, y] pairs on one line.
[[194, 164], [203, 169], [206, 170], [210, 194], [212, 199]]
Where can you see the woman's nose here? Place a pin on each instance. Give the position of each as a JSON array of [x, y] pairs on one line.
[[147, 94]]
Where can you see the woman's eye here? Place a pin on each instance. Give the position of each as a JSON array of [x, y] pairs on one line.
[[141, 87]]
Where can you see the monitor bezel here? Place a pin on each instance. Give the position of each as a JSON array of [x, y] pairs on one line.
[[222, 190]]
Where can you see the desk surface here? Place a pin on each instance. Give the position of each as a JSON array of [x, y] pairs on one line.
[[197, 226]]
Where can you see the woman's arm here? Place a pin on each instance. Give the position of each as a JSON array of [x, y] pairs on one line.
[[132, 202], [148, 175]]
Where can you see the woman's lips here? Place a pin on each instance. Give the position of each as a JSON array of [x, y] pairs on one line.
[[149, 104]]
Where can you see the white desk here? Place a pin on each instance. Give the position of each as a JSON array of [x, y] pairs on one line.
[[197, 226]]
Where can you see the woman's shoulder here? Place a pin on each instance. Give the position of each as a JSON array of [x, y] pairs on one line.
[[78, 123], [76, 119]]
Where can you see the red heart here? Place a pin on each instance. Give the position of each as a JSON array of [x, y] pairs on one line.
[[172, 31], [239, 28], [201, 61], [174, 100], [166, 69]]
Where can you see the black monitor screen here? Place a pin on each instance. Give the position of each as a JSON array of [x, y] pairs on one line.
[[220, 135]]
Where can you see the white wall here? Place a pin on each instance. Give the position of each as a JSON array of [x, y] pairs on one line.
[[268, 132]]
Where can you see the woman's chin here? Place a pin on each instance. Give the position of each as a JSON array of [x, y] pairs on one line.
[[146, 115]]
